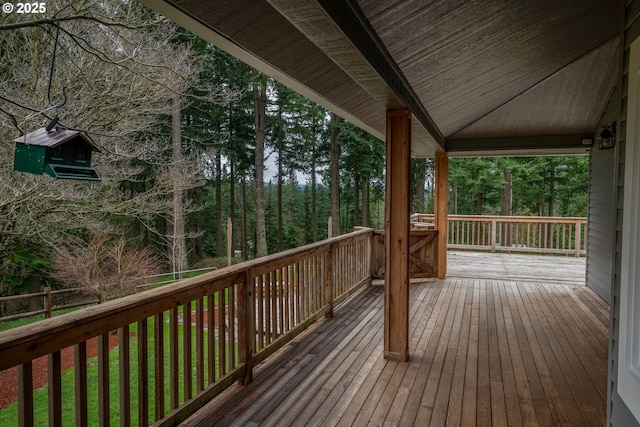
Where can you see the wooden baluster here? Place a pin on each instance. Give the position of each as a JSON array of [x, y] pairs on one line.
[[299, 298], [578, 238], [54, 374], [211, 339], [158, 348], [261, 305], [267, 309], [199, 345], [231, 320], [303, 289], [80, 382], [125, 380], [103, 381], [328, 274], [287, 298], [25, 395], [494, 226], [173, 359], [246, 325], [143, 372], [187, 361], [222, 341], [281, 296]]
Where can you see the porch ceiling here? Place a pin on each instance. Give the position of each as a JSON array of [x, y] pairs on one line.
[[479, 76]]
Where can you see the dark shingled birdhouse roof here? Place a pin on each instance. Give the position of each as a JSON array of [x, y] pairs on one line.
[[54, 138]]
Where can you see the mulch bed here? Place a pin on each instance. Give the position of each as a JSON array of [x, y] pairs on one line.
[[9, 377]]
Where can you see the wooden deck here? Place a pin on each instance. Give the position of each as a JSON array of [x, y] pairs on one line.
[[484, 352], [502, 266]]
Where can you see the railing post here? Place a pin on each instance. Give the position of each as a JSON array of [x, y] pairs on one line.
[[47, 302], [493, 234], [578, 235], [246, 326], [328, 283]]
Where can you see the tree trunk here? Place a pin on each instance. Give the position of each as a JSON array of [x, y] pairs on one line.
[[232, 202], [280, 182], [245, 234], [479, 196], [218, 220], [175, 220], [356, 201], [335, 177], [506, 205], [419, 178], [551, 190], [314, 201], [455, 199], [542, 196], [260, 102], [507, 193], [365, 203]]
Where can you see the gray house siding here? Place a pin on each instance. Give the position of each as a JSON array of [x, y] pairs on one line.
[[618, 414], [601, 212]]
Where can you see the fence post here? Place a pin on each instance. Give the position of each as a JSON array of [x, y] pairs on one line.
[[493, 234], [578, 235], [246, 326], [328, 283], [47, 302]]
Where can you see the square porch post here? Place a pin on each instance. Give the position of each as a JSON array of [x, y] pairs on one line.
[[441, 210], [396, 225]]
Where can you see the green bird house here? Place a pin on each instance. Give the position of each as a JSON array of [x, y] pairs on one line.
[[61, 153]]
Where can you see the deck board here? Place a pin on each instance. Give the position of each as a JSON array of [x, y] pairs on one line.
[[484, 351]]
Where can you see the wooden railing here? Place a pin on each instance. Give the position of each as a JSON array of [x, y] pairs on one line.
[[423, 254], [547, 235], [180, 345]]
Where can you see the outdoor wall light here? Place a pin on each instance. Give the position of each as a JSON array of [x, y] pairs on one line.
[[607, 138]]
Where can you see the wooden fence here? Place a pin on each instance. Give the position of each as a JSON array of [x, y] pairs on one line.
[[49, 301], [46, 300], [189, 341], [542, 235]]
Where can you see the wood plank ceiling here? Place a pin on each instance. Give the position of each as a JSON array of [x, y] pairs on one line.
[[479, 76]]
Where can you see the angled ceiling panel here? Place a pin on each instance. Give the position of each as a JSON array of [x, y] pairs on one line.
[[467, 58], [570, 101]]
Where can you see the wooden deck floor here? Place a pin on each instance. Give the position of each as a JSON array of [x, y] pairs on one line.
[[484, 352]]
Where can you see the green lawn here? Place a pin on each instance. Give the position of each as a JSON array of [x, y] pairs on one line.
[[9, 416]]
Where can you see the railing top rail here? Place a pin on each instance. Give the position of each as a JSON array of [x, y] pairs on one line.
[[511, 218], [24, 343]]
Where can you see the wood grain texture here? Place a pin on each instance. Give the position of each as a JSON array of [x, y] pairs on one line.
[[484, 352], [397, 179]]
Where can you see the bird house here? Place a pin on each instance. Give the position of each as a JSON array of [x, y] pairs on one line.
[[63, 154]]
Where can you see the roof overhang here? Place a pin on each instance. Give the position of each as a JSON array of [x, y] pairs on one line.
[[479, 77]]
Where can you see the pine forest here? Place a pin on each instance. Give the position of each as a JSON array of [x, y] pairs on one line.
[[189, 138]]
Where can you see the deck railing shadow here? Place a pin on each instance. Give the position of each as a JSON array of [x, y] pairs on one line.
[[182, 344]]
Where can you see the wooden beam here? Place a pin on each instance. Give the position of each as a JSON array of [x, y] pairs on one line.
[[441, 210], [348, 16], [520, 145], [397, 210]]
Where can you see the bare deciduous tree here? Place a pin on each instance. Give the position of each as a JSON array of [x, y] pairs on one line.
[[103, 267]]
